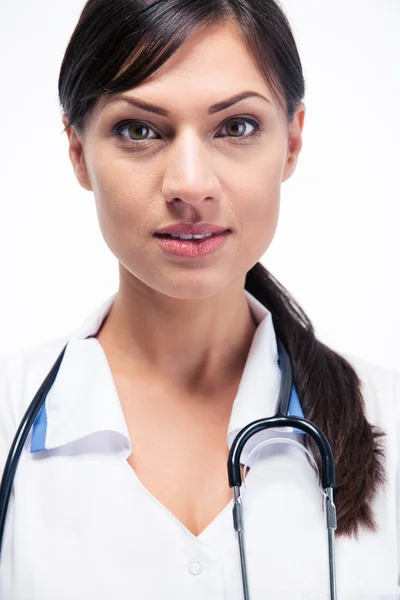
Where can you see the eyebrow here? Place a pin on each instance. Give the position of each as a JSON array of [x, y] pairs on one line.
[[165, 113]]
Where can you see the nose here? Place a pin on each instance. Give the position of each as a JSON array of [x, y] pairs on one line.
[[189, 174]]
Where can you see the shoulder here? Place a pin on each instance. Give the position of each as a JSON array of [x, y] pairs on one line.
[[380, 387], [17, 366], [21, 374]]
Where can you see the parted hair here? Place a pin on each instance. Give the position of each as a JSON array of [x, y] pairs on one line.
[[115, 46]]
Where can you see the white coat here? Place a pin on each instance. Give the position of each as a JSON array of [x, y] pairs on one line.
[[81, 526]]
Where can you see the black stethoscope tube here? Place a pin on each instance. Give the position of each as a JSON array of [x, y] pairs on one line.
[[19, 440], [328, 468]]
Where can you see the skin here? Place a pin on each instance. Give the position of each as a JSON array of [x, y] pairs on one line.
[[180, 320]]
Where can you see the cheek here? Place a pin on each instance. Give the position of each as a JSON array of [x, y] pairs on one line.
[[256, 204], [265, 221], [122, 199], [120, 216]]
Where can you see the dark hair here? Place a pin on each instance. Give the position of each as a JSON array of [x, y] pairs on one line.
[[116, 46]]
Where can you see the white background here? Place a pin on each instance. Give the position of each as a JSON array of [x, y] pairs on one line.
[[337, 247]]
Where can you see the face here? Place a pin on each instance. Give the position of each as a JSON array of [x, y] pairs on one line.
[[224, 168]]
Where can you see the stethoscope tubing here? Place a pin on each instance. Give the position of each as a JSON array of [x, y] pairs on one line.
[[327, 462], [14, 454]]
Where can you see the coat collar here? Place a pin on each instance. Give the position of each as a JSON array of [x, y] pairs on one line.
[[83, 399]]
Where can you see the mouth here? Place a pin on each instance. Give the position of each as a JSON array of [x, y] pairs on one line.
[[192, 246], [191, 238]]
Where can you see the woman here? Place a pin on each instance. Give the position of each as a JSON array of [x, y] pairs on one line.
[[185, 118]]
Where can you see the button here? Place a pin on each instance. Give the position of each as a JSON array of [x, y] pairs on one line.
[[195, 567]]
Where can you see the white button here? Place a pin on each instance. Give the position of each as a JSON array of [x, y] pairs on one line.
[[195, 567]]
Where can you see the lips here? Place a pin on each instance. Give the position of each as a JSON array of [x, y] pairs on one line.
[[192, 248], [191, 229]]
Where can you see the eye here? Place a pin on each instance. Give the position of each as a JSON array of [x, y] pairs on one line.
[[139, 128], [132, 126], [235, 125]]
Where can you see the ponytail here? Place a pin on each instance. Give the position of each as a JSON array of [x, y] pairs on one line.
[[329, 390]]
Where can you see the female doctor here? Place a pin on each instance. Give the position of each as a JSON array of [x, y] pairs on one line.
[[185, 117]]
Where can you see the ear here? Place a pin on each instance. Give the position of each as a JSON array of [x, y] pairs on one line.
[[295, 142], [76, 156]]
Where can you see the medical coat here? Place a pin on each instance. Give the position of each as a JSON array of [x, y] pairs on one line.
[[81, 526]]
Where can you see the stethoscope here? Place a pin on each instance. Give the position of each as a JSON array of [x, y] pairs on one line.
[[280, 419]]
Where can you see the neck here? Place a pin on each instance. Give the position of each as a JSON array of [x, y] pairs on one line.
[[200, 345]]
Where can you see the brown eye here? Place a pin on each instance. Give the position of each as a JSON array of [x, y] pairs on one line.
[[137, 128], [136, 131], [236, 128]]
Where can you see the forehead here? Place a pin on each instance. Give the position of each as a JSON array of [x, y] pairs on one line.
[[217, 50], [212, 64]]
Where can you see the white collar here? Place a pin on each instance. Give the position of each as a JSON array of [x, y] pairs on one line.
[[84, 400]]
